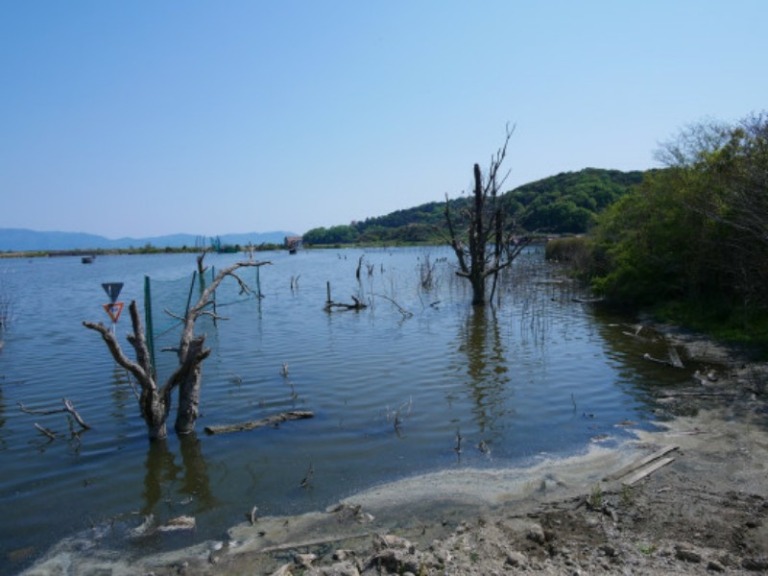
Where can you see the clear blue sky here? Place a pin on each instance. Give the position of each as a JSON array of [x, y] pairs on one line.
[[142, 118]]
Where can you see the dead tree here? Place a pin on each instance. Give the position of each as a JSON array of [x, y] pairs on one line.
[[155, 400], [487, 245]]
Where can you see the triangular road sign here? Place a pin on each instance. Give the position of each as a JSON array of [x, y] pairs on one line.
[[114, 310], [113, 290]]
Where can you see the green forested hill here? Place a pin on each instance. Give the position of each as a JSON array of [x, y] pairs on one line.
[[569, 201], [565, 203]]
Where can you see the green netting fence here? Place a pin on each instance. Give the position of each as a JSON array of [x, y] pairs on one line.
[[167, 302]]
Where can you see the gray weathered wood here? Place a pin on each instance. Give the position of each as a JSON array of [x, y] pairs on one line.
[[643, 472], [272, 420], [674, 358], [641, 462]]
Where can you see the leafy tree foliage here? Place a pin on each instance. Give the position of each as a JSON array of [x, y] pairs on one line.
[[334, 235], [696, 231], [428, 214], [569, 202]]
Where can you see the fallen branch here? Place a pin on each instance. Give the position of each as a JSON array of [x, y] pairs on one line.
[[272, 420], [330, 304], [43, 430], [674, 359], [358, 305], [68, 408], [403, 311]]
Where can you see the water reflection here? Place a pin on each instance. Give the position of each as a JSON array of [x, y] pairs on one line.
[[486, 365], [122, 395], [196, 482], [628, 344], [163, 476], [160, 470], [2, 415]]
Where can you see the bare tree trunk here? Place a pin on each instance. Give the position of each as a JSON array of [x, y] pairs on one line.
[[154, 400], [477, 241], [154, 403], [155, 408], [486, 224], [189, 388]]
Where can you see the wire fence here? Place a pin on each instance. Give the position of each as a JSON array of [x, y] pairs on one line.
[[167, 303]]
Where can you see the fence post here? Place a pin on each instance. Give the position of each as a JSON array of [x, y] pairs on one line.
[[150, 335]]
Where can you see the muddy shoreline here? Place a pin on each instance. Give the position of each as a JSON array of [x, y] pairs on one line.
[[704, 511]]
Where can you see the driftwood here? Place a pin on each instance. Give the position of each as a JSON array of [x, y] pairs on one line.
[[674, 359], [588, 300], [636, 334], [637, 337], [358, 305], [640, 463], [647, 471], [47, 432], [330, 304], [272, 420], [69, 408]]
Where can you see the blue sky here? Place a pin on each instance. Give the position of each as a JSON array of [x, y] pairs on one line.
[[144, 118]]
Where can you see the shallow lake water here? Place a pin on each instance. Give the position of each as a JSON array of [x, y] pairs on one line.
[[395, 388]]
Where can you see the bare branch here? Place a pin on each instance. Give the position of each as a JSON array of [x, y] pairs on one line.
[[486, 225], [403, 311], [46, 431], [69, 408], [117, 353]]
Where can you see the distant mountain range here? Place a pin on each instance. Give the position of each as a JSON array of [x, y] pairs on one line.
[[22, 240]]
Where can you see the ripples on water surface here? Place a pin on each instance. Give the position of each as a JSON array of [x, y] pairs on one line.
[[538, 373]]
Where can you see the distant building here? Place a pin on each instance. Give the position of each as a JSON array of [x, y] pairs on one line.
[[293, 243]]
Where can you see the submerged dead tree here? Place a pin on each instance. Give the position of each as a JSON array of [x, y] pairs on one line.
[[155, 400], [487, 244]]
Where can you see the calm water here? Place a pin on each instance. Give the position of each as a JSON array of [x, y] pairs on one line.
[[537, 374]]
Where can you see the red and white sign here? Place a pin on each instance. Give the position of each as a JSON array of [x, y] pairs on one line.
[[114, 310]]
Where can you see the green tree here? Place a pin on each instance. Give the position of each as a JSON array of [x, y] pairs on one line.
[[641, 245], [341, 234], [696, 231]]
